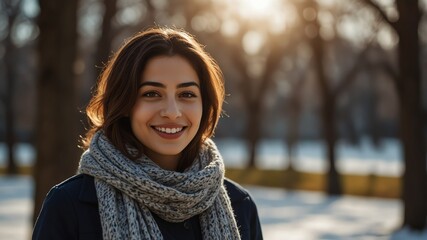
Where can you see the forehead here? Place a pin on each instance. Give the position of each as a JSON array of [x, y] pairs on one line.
[[169, 70]]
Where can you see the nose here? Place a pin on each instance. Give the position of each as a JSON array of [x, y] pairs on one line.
[[171, 109]]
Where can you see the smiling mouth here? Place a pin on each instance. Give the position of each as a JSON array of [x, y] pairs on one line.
[[169, 130]]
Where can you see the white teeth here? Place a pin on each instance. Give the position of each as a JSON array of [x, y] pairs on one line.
[[169, 130]]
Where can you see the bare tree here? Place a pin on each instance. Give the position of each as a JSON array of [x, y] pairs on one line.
[[329, 93], [255, 89], [408, 86], [57, 132]]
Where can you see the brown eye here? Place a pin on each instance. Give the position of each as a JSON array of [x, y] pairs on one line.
[[151, 94], [188, 95]]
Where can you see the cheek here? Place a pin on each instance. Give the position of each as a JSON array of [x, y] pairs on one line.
[[139, 114], [145, 109], [196, 112]]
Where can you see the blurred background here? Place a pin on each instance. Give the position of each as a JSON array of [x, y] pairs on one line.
[[327, 96]]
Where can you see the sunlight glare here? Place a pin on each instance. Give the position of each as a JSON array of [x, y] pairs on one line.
[[205, 22], [357, 27], [255, 8], [230, 27], [387, 38], [278, 23], [272, 16], [253, 42]]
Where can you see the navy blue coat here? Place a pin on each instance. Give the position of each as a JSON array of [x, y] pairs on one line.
[[70, 211]]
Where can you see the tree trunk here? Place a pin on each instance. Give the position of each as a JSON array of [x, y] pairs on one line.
[[103, 50], [253, 132], [12, 167], [329, 122], [57, 118], [10, 61], [294, 113], [328, 117], [293, 130], [412, 128], [411, 118]]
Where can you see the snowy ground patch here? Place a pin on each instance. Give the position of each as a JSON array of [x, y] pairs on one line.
[[16, 206], [308, 215]]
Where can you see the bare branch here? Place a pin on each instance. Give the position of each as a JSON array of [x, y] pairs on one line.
[[348, 78], [387, 68], [380, 12]]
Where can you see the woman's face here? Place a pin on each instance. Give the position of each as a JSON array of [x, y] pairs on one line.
[[167, 113]]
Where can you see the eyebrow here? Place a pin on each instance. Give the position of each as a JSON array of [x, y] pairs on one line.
[[161, 85]]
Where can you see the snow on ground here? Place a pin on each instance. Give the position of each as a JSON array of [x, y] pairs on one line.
[[309, 215], [16, 207], [293, 215]]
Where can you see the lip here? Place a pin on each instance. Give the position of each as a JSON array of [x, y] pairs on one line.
[[169, 135]]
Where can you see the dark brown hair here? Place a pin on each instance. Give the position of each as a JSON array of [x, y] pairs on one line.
[[117, 89]]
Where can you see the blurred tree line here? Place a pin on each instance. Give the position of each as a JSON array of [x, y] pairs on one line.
[[302, 69]]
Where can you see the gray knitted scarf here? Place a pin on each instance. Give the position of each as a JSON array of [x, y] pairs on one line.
[[129, 191]]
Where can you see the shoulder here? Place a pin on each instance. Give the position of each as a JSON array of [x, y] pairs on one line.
[[59, 213], [65, 195], [245, 210], [240, 198], [69, 210], [70, 185], [80, 187], [235, 191]]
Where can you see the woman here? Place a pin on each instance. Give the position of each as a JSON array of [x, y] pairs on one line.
[[150, 170]]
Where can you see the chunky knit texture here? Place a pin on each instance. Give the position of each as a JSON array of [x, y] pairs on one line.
[[129, 191]]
